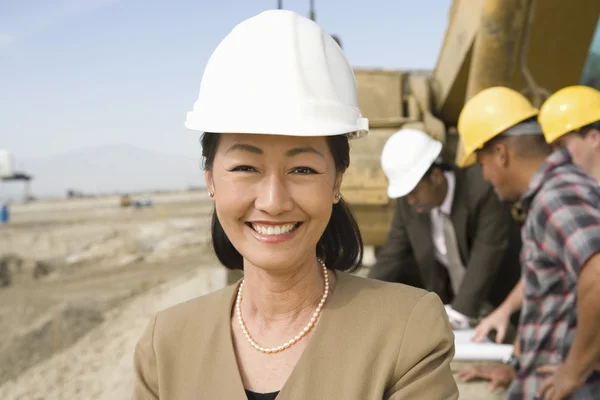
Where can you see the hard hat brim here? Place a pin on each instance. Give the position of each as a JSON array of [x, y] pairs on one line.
[[293, 125], [467, 160], [402, 187]]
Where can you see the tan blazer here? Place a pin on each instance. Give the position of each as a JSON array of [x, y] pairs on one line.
[[375, 340]]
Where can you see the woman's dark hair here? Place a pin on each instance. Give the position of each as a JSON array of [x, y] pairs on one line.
[[340, 247]]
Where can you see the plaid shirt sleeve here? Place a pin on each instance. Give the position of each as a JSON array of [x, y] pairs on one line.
[[570, 224]]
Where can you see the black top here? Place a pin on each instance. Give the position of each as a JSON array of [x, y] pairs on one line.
[[261, 396]]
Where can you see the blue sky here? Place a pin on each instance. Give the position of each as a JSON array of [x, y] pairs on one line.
[[81, 73]]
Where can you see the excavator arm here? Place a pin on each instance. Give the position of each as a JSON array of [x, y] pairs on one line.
[[533, 46]]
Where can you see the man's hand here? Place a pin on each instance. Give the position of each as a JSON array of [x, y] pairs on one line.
[[498, 320], [500, 375], [560, 384]]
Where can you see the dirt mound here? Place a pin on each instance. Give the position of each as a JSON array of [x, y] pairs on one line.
[[13, 267], [57, 331], [99, 366], [74, 246]]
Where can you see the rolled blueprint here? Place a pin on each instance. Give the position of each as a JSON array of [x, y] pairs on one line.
[[467, 350]]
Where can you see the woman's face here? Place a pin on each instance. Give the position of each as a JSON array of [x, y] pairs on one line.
[[274, 196]]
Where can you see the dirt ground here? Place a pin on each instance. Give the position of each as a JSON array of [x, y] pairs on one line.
[[68, 331]]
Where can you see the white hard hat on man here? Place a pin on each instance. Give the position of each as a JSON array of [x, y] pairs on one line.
[[278, 73], [406, 157]]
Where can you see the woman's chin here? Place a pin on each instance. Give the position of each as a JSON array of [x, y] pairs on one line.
[[274, 262]]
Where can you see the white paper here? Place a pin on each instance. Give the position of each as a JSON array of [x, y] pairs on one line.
[[467, 350], [457, 320]]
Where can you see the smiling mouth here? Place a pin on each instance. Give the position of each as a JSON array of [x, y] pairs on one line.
[[270, 230]]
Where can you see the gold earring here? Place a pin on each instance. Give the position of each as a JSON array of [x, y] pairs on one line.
[[338, 197], [211, 194]]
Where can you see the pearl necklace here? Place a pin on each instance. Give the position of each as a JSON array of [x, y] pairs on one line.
[[303, 332]]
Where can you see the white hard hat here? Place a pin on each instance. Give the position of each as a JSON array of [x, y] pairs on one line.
[[406, 157], [278, 73]]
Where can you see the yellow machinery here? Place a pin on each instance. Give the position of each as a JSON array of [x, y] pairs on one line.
[[534, 46], [125, 200]]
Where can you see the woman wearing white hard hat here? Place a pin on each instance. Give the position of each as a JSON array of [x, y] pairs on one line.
[[277, 106]]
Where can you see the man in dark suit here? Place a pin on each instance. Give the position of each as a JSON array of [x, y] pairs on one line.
[[450, 233]]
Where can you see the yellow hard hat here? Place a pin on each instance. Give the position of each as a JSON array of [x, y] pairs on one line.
[[569, 109], [488, 114]]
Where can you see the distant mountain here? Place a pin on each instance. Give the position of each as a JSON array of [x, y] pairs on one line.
[[118, 168]]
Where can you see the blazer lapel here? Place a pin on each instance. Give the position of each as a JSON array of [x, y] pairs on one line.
[[309, 371], [229, 384], [460, 213], [420, 229]]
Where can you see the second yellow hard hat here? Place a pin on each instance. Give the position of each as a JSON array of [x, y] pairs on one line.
[[568, 110]]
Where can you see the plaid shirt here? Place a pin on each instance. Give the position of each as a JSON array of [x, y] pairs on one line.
[[561, 233]]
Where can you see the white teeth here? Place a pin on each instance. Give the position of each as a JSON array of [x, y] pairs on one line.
[[273, 229]]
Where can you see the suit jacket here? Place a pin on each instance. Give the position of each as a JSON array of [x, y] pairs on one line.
[[489, 240], [374, 341]]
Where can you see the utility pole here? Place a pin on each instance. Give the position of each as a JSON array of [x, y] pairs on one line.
[[311, 13]]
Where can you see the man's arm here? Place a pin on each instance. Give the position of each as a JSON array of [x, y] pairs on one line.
[[500, 374], [585, 349], [499, 319], [514, 301], [487, 253], [517, 346], [395, 261]]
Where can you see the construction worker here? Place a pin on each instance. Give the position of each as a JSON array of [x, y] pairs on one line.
[[450, 234], [571, 118], [558, 336]]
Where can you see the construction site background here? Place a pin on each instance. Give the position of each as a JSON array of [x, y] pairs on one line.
[[80, 277]]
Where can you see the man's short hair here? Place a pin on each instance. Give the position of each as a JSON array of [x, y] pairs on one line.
[[584, 130], [525, 138]]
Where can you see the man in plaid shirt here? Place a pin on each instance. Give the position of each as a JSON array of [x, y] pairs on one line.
[[560, 318]]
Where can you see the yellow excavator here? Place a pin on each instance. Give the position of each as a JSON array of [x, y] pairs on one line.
[[533, 46]]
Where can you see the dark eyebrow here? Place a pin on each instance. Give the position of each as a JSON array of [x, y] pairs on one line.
[[245, 147], [290, 153], [306, 149]]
